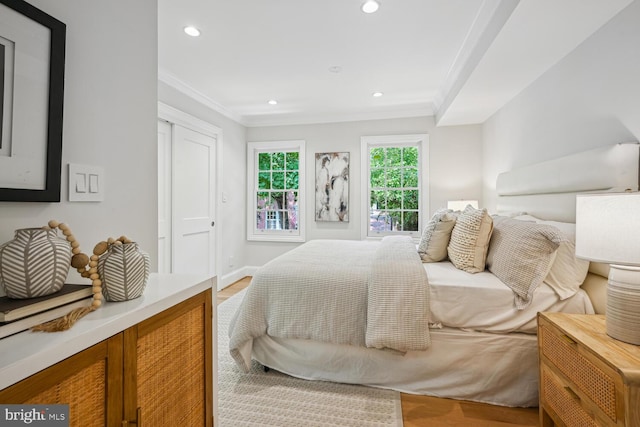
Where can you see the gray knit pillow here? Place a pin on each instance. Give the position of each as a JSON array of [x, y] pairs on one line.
[[436, 235], [521, 254]]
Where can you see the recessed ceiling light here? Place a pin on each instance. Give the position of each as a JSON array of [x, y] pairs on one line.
[[192, 31], [335, 69], [370, 6], [377, 94], [272, 102]]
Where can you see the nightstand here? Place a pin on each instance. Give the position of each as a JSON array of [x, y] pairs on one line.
[[586, 377]]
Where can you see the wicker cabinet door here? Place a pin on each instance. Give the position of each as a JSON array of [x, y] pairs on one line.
[[82, 382], [168, 378]]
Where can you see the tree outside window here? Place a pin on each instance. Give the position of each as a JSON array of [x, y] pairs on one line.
[[275, 198], [394, 189], [392, 168]]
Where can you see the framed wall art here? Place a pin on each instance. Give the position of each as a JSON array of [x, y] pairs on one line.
[[332, 187], [32, 60]]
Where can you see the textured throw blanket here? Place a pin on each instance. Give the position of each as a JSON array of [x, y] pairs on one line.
[[359, 293]]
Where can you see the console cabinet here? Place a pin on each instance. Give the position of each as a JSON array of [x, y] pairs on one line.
[[157, 373]]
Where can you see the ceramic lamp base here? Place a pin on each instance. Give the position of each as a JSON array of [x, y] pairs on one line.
[[623, 304]]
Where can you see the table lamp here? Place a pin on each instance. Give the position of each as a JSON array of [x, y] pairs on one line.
[[460, 205], [608, 231]]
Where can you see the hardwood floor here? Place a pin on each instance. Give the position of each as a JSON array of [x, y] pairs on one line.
[[230, 291], [421, 411]]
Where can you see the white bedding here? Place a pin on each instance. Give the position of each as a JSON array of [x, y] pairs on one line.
[[475, 366], [478, 361], [360, 293], [482, 302]]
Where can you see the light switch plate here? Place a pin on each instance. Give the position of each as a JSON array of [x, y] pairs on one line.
[[86, 183]]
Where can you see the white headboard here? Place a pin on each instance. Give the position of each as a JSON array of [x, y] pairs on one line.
[[548, 190]]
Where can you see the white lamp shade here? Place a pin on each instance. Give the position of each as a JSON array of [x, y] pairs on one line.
[[460, 205], [608, 228]]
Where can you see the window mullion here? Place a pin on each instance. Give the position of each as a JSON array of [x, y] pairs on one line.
[[394, 166], [274, 218]]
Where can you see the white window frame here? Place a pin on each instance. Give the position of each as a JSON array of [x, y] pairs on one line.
[[253, 149], [368, 142]]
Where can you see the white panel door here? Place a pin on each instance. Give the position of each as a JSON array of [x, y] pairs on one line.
[[164, 197], [193, 194]]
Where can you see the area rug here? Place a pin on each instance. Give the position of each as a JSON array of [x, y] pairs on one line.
[[262, 399]]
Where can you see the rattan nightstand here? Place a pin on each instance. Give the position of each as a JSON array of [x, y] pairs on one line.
[[586, 377]]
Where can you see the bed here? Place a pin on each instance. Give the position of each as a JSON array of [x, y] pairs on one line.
[[366, 313]]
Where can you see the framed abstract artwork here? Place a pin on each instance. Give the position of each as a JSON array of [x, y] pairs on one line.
[[32, 61], [332, 187]]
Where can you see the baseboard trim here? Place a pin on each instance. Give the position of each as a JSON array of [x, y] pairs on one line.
[[234, 276]]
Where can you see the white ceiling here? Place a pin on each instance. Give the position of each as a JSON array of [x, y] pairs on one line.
[[460, 60]]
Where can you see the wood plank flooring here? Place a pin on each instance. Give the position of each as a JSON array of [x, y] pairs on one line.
[[421, 411]]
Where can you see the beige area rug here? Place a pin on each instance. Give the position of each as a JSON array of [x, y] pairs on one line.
[[262, 399]]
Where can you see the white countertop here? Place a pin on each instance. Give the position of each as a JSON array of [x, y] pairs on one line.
[[26, 353]]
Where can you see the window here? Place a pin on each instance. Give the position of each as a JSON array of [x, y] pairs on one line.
[[395, 196], [275, 191]]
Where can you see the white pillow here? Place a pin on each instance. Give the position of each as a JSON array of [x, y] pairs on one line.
[[567, 272], [436, 235], [470, 240], [521, 254]]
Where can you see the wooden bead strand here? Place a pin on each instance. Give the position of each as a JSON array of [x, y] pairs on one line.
[[87, 266], [80, 261]]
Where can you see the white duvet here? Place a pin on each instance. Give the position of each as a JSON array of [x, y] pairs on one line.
[[360, 293]]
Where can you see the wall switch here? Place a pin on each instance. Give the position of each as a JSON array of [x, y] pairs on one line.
[[86, 183], [94, 183], [81, 182]]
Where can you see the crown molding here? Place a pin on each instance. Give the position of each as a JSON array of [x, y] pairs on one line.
[[290, 120], [174, 82]]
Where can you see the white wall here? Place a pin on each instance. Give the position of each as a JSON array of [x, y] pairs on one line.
[[589, 99], [454, 169], [110, 114], [232, 226]]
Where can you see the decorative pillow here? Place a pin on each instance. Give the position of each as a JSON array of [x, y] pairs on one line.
[[567, 272], [436, 235], [521, 254], [470, 240]]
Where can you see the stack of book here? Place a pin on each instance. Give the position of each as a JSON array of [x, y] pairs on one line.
[[17, 315]]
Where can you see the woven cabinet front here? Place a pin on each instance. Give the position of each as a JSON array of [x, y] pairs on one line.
[[170, 372], [598, 385], [563, 403], [85, 392]]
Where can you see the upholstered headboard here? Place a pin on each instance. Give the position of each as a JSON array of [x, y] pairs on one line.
[[548, 191]]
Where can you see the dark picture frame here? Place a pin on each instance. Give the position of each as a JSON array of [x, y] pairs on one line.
[[49, 151]]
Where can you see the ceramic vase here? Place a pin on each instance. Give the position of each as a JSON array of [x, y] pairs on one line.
[[34, 264], [124, 270]]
